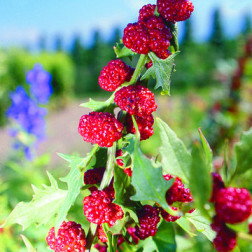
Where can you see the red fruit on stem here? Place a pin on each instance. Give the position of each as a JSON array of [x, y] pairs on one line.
[[98, 208], [148, 220], [100, 128], [217, 185], [136, 100], [145, 126], [168, 217], [71, 237], [233, 205], [146, 12], [175, 10], [114, 75], [225, 240]]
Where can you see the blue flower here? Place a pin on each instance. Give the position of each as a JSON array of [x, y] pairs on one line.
[[40, 82]]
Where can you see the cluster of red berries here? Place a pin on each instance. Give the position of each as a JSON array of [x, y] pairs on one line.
[[99, 208], [120, 163], [70, 237], [148, 34], [232, 205]]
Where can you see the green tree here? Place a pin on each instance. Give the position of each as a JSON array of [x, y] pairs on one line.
[[77, 50], [58, 43], [217, 37], [187, 38], [42, 43], [247, 26]]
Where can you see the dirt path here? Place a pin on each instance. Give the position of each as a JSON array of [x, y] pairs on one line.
[[62, 135]]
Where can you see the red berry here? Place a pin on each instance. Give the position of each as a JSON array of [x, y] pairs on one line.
[[136, 38], [217, 185], [71, 237], [98, 208], [163, 54], [145, 126], [149, 64], [177, 192], [225, 240], [148, 220], [101, 234], [100, 128], [132, 233], [100, 248], [250, 227], [175, 10], [136, 100], [233, 205], [218, 224], [114, 75], [146, 12], [94, 176], [168, 217]]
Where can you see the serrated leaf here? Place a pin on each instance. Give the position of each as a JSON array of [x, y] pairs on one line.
[[207, 149], [176, 159], [147, 245], [122, 51], [123, 192], [201, 223], [148, 180], [41, 208], [165, 237], [161, 70], [74, 181], [200, 182], [243, 152], [28, 244]]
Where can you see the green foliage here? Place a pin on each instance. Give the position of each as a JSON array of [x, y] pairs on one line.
[[41, 209], [28, 244], [161, 71], [200, 178], [175, 157], [165, 237], [148, 180], [243, 153], [122, 51]]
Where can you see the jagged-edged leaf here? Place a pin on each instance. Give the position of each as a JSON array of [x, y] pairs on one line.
[[165, 237], [200, 180], [41, 208], [123, 191], [122, 51], [74, 181], [148, 180], [161, 70], [207, 149], [201, 223], [99, 106], [244, 153], [176, 159], [28, 244]]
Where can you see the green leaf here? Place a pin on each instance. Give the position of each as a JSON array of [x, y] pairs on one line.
[[147, 245], [243, 153], [74, 181], [200, 182], [123, 192], [41, 209], [99, 106], [161, 71], [185, 224], [176, 159], [148, 180], [165, 237], [207, 149], [201, 223], [28, 244], [122, 51]]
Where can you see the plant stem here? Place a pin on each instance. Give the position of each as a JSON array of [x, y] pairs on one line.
[[108, 175], [90, 236], [139, 68]]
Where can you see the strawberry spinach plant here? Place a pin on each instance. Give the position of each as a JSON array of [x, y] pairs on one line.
[[133, 202]]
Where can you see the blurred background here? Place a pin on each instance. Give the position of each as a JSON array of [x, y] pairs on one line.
[[73, 41]]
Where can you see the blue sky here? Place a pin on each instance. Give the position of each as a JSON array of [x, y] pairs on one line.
[[23, 21]]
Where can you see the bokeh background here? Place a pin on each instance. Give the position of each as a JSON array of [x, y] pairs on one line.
[[73, 40]]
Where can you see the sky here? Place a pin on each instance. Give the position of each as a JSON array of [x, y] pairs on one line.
[[22, 22]]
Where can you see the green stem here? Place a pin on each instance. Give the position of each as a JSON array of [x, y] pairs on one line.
[[139, 68], [90, 236], [108, 175]]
